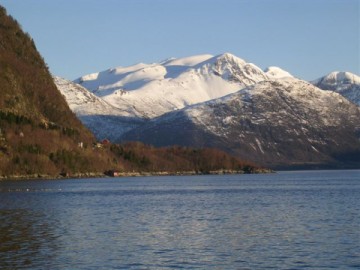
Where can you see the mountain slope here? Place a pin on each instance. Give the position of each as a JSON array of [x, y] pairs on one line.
[[150, 90], [344, 83], [275, 123], [25, 81], [103, 119]]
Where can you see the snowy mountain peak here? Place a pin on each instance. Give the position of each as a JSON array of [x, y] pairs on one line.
[[339, 77], [345, 83], [154, 89], [222, 101], [233, 69], [277, 73], [225, 59], [95, 82], [230, 58], [145, 91]]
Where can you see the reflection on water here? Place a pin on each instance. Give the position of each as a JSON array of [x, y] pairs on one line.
[[282, 221], [24, 237]]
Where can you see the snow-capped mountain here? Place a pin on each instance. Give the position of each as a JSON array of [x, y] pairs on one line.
[[275, 123], [222, 101], [150, 90], [103, 119], [345, 83]]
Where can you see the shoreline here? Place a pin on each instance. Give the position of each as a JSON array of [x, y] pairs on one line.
[[127, 174]]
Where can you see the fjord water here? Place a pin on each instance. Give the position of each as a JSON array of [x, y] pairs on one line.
[[287, 220]]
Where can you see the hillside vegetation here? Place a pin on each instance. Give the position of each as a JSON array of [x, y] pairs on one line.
[[136, 156], [35, 121]]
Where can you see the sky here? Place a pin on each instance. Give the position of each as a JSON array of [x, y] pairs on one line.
[[308, 38]]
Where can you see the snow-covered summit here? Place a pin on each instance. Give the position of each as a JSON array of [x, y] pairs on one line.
[[277, 73], [338, 79], [233, 68], [221, 101], [345, 83], [157, 88]]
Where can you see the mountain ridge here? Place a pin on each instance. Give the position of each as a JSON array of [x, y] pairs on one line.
[[215, 80], [172, 84]]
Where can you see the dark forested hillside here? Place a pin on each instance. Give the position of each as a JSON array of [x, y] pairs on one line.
[[26, 87], [38, 132]]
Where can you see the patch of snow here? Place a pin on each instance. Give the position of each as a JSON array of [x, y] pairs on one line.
[[277, 73], [314, 149], [259, 145], [228, 120]]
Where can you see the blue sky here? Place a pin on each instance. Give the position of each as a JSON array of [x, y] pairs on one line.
[[308, 38]]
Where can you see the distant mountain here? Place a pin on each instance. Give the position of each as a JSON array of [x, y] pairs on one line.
[[284, 123], [130, 96], [269, 117], [344, 83]]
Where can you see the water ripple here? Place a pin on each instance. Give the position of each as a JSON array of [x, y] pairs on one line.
[[305, 220]]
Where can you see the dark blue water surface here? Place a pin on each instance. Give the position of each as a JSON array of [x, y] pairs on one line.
[[287, 220]]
